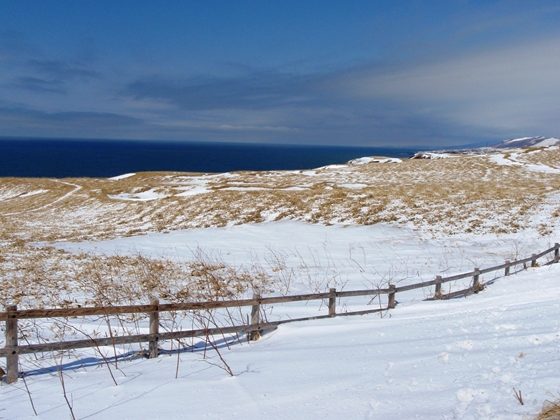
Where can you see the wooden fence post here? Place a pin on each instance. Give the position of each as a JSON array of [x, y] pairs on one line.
[[476, 284], [534, 260], [12, 359], [154, 329], [391, 302], [556, 252], [255, 319], [332, 302], [437, 294], [506, 270]]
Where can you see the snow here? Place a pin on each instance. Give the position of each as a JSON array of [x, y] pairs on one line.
[[548, 142], [365, 160], [192, 191], [537, 141], [433, 155], [124, 176], [142, 196], [32, 193], [319, 257], [542, 168], [517, 140], [512, 160], [518, 143], [333, 167], [500, 159], [7, 195], [353, 186], [457, 359]]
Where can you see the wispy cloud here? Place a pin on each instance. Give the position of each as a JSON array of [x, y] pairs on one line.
[[26, 122], [499, 88], [61, 70], [38, 85], [444, 100], [253, 92], [25, 67]]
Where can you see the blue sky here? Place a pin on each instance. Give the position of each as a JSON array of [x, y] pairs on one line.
[[368, 73]]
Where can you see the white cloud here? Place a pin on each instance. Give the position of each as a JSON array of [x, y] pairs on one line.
[[509, 87]]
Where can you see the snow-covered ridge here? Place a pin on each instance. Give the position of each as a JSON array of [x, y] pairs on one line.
[[537, 141], [124, 176], [518, 143]]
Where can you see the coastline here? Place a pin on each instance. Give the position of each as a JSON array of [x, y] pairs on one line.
[[57, 158]]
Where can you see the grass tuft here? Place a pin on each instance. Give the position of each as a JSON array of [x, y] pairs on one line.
[[550, 411]]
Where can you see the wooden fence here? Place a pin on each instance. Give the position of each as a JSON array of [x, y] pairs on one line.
[[12, 350]]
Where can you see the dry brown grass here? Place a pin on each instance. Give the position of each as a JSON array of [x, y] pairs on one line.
[[550, 411], [465, 194], [50, 278], [541, 156]]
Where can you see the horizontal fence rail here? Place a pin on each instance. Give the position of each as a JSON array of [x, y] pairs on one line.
[[168, 307], [253, 329]]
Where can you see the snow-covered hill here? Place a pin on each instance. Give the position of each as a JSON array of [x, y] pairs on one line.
[[537, 141], [519, 143]]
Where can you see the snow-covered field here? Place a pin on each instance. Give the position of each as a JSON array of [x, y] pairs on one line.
[[424, 359], [456, 359]]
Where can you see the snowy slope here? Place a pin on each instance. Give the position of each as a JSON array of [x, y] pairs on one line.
[[455, 359], [518, 143], [424, 359], [537, 141]]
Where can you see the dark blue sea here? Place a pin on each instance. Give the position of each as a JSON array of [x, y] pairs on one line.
[[56, 158]]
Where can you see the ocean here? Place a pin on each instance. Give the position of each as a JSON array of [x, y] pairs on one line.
[[62, 158]]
